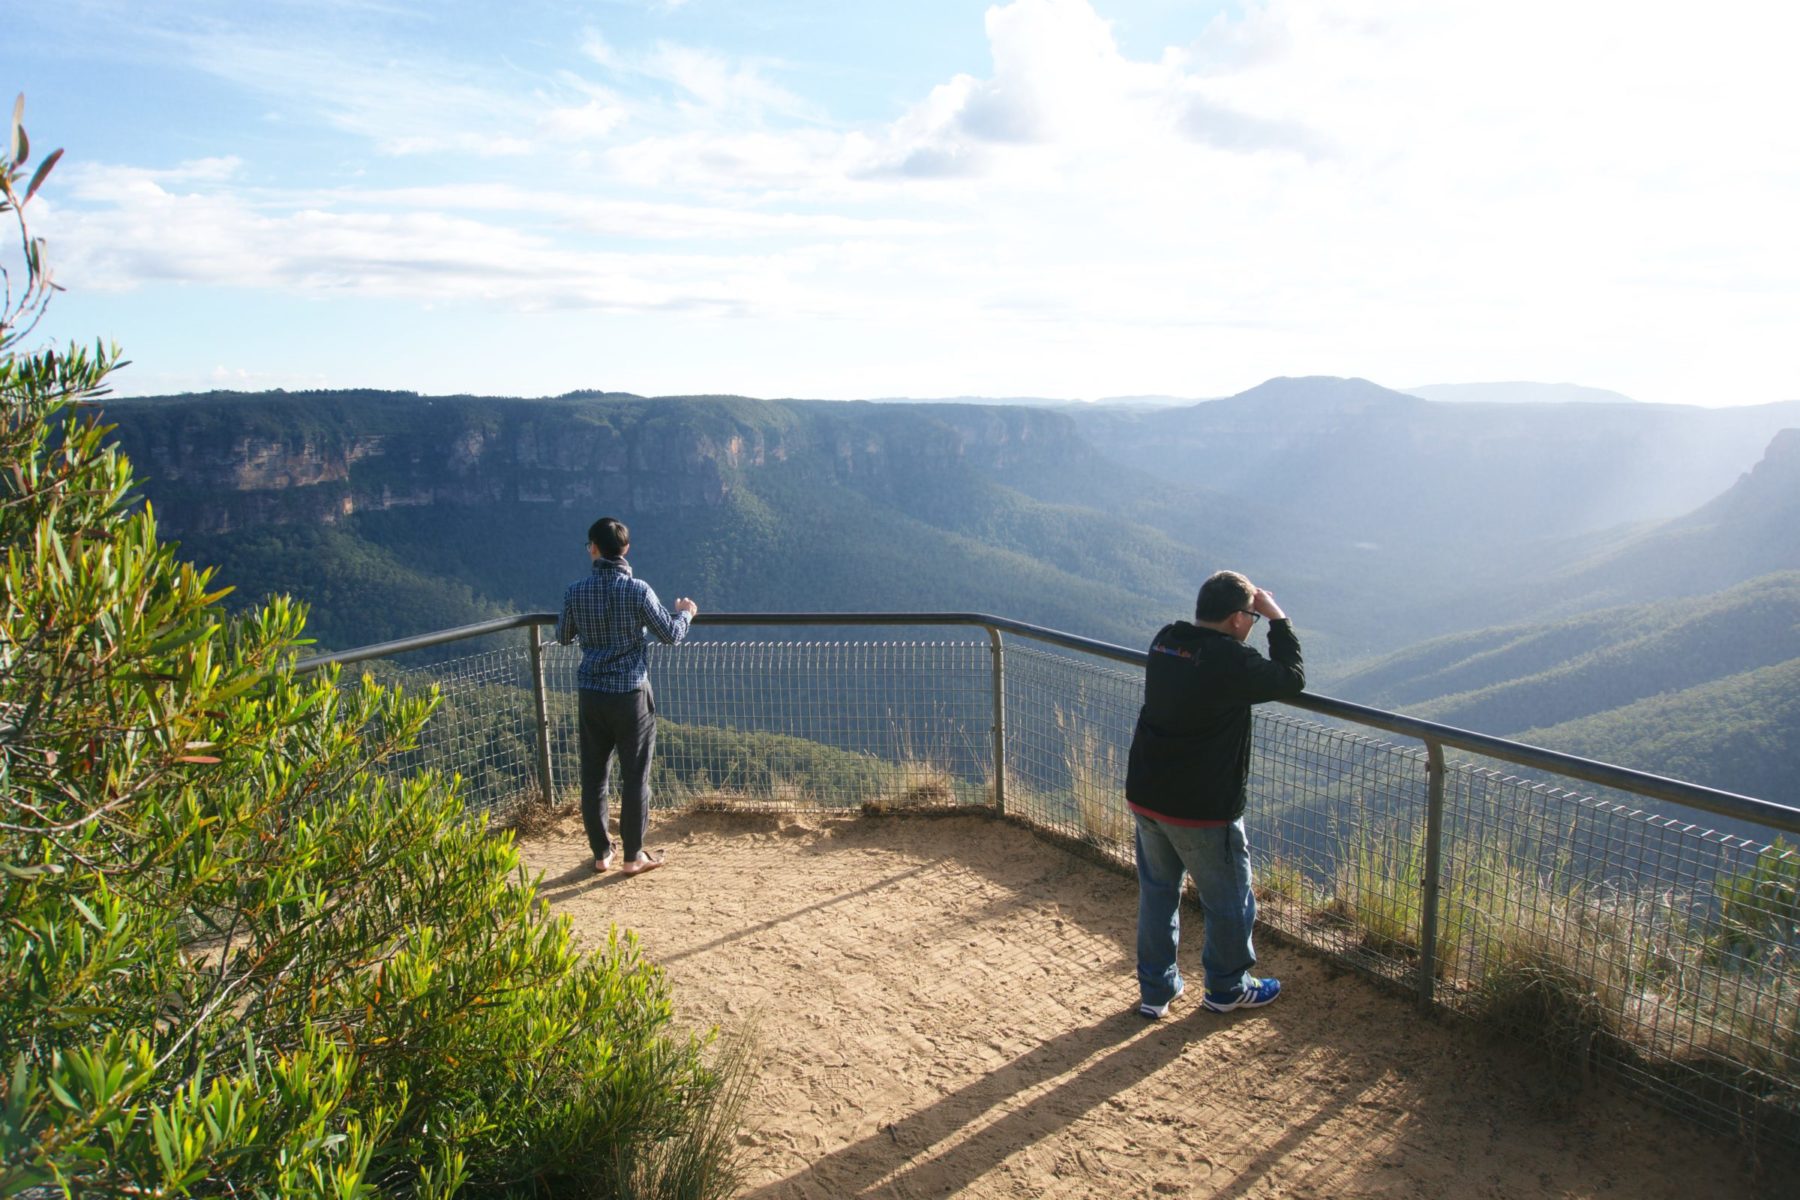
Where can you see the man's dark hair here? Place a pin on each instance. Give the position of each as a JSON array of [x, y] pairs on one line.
[[1224, 593], [610, 534]]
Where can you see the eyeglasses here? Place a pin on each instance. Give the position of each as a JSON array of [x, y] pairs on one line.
[[1254, 616]]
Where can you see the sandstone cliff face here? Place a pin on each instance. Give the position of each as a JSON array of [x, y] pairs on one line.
[[1782, 459], [1768, 493], [219, 465]]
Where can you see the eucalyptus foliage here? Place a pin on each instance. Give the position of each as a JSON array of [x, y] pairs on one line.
[[237, 955]]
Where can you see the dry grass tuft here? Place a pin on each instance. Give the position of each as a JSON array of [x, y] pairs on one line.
[[1097, 781], [1536, 998], [529, 817], [924, 787]]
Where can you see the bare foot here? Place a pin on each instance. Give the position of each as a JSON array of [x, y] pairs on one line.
[[645, 861]]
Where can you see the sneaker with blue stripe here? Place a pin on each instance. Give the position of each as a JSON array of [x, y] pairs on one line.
[[1254, 994]]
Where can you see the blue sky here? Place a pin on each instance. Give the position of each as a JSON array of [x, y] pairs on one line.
[[1060, 198]]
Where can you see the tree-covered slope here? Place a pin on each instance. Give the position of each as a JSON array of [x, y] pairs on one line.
[[1740, 733], [483, 503], [1510, 679], [392, 513], [357, 591]]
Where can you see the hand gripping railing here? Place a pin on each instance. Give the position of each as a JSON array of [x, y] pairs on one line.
[[1435, 737]]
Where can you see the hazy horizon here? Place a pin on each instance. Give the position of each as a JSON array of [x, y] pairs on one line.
[[1490, 390]]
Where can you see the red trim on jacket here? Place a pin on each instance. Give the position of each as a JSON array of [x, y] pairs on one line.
[[1168, 820]]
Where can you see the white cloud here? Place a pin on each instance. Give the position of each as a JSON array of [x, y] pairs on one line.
[[157, 236], [592, 121], [1059, 85], [404, 106], [1600, 191], [103, 185], [707, 86], [717, 83]]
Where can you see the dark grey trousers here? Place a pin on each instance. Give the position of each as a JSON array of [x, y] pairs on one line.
[[626, 722]]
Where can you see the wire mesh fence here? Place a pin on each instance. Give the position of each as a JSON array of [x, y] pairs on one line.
[[1653, 944], [784, 725], [1647, 945], [1068, 731], [1645, 941], [806, 725], [485, 727]]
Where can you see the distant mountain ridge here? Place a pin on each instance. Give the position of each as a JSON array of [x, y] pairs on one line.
[[1332, 488], [759, 505], [1510, 392], [1379, 518], [1392, 470], [319, 457], [1517, 392]]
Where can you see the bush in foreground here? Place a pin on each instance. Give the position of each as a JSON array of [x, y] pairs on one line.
[[235, 957]]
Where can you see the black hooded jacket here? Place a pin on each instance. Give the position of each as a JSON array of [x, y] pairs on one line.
[[1190, 754]]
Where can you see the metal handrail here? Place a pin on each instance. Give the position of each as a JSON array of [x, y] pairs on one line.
[[1604, 774], [423, 641]]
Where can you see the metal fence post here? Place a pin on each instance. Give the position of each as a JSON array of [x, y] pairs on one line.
[[999, 720], [533, 634], [1428, 900]]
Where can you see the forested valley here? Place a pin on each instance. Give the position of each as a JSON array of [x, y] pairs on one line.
[[1612, 578]]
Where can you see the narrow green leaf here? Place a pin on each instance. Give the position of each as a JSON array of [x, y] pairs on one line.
[[62, 1094], [37, 177], [87, 913], [31, 872]]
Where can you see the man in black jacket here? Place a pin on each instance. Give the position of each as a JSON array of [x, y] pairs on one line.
[[1186, 784]]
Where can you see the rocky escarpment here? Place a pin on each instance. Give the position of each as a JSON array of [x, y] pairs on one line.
[[223, 463], [1765, 499]]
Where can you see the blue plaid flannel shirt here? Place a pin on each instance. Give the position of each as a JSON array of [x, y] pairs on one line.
[[614, 616]]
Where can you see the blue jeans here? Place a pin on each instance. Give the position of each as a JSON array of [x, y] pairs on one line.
[[1219, 860]]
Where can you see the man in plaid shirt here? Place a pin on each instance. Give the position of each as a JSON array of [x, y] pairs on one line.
[[613, 614]]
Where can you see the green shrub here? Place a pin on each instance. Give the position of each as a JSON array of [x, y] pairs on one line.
[[1759, 909], [236, 958]]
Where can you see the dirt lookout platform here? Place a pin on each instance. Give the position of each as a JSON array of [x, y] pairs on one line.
[[945, 1006]]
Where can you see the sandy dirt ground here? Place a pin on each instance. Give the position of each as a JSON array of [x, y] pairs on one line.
[[945, 1006]]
